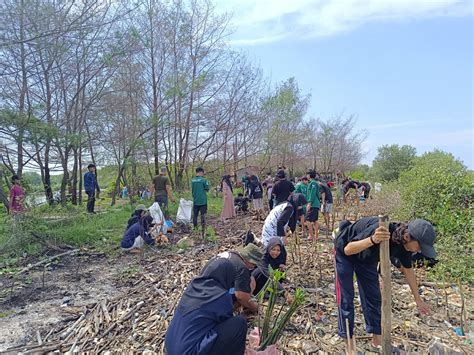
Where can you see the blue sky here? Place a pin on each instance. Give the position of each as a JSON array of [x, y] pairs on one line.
[[404, 68]]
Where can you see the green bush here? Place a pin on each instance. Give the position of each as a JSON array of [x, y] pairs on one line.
[[439, 188]]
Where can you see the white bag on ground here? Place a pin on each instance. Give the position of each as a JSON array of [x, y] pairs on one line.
[[184, 211], [158, 216]]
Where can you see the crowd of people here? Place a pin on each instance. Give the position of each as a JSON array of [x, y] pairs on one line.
[[208, 318]]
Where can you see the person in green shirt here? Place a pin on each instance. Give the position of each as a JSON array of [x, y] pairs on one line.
[[312, 210], [200, 187], [302, 187]]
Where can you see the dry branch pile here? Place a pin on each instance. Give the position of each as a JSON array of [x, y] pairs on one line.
[[137, 322]]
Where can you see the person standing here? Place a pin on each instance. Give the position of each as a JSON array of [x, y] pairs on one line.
[[256, 195], [327, 203], [312, 209], [162, 187], [245, 183], [282, 188], [357, 251], [203, 322], [228, 210], [91, 186], [302, 186], [17, 196], [200, 187], [268, 183]]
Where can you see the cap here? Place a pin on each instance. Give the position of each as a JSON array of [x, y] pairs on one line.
[[163, 170], [251, 253], [423, 232], [281, 174], [141, 207]]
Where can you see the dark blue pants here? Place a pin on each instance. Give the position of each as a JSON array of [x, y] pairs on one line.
[[369, 292]]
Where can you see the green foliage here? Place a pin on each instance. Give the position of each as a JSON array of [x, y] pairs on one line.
[[438, 188], [391, 160], [360, 174], [273, 327]]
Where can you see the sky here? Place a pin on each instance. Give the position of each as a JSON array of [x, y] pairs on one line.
[[403, 68]]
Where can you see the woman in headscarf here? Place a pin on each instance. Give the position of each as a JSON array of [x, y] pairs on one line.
[[275, 256], [203, 323], [228, 211]]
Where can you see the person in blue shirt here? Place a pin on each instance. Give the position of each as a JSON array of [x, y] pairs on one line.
[[203, 323], [138, 234], [91, 186]]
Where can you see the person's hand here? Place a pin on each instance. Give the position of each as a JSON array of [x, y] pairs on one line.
[[381, 234], [423, 308], [282, 267], [98, 195]]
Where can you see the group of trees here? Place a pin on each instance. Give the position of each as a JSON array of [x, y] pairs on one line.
[[149, 83]]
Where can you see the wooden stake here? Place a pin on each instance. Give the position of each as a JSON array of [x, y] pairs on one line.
[[386, 290], [349, 348]]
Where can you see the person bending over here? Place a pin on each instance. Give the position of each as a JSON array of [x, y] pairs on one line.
[[357, 251], [203, 322], [244, 260]]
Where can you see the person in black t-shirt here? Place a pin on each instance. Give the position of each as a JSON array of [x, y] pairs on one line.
[[283, 188], [365, 189], [348, 185], [357, 251], [244, 260], [326, 202]]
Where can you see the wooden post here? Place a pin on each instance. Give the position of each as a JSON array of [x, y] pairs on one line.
[[386, 290]]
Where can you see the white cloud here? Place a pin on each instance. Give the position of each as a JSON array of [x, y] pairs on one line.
[[260, 21]]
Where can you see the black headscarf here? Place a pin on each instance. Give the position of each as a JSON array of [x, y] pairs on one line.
[[217, 277], [267, 258], [226, 178]]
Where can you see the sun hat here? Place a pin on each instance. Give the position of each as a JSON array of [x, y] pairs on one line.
[[251, 253], [423, 232]]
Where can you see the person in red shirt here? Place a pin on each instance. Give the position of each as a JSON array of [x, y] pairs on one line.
[[17, 196]]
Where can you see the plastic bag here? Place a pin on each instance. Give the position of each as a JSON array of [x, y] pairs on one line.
[[254, 340], [184, 211], [158, 216]]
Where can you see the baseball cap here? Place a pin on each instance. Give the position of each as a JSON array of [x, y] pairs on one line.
[[423, 232]]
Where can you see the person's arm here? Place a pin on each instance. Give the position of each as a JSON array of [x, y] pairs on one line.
[[411, 280], [357, 246], [323, 198], [169, 191], [245, 300], [283, 220], [206, 185]]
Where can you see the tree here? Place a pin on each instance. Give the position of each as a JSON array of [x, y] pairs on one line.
[[391, 160], [335, 145], [438, 188]]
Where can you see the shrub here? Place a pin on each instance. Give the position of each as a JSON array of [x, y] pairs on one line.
[[438, 188]]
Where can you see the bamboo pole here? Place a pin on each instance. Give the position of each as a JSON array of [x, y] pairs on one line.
[[386, 290]]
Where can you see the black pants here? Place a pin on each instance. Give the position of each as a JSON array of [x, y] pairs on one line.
[[199, 209], [90, 201], [369, 293], [231, 335], [163, 202]]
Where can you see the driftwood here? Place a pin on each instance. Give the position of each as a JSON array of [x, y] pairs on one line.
[[47, 260], [135, 320]]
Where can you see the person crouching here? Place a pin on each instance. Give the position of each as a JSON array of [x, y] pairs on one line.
[[138, 235], [203, 322]]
